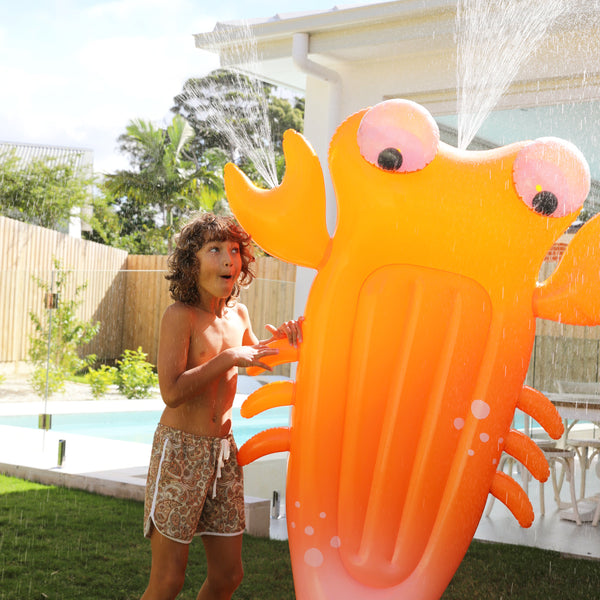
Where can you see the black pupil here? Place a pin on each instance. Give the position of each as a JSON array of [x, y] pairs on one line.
[[545, 203], [389, 159]]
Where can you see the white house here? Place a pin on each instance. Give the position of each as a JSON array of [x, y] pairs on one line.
[[347, 58]]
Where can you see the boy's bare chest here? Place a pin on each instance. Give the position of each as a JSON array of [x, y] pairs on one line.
[[209, 337]]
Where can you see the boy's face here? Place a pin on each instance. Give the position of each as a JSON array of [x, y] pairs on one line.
[[220, 267]]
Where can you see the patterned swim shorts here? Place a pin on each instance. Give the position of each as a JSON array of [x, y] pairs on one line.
[[194, 487]]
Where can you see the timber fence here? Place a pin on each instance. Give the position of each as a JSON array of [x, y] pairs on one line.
[[563, 352], [126, 294]]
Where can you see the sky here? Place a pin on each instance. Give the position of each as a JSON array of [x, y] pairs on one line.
[[75, 72]]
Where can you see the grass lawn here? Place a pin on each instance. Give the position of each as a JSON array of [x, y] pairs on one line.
[[65, 544]]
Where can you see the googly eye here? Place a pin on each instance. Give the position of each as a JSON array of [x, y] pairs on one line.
[[398, 135], [552, 177]]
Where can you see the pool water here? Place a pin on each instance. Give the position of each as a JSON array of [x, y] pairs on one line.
[[139, 426]]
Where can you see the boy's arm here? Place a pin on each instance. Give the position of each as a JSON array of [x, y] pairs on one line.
[[177, 383]]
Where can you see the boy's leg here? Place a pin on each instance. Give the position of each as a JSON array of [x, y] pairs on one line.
[[224, 564], [167, 574]]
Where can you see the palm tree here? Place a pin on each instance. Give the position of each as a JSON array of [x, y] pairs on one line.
[[163, 176]]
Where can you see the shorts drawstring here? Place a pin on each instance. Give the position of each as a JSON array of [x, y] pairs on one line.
[[223, 456]]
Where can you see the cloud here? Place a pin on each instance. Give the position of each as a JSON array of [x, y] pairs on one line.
[[80, 71], [89, 71], [137, 77], [135, 65], [126, 9]]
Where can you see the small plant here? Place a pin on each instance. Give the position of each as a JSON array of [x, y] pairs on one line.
[[59, 335], [101, 379], [135, 375], [51, 378]]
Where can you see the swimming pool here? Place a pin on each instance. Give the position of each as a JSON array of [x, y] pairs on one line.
[[139, 426]]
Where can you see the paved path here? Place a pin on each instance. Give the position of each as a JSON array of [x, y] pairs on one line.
[[16, 388]]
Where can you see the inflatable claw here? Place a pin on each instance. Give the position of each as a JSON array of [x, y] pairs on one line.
[[419, 329]]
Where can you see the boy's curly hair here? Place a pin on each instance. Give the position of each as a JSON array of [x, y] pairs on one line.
[[183, 264]]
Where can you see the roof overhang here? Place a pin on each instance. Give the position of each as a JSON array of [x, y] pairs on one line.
[[338, 37], [341, 38]]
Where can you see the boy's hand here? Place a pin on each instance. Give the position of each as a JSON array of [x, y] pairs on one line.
[[250, 356], [290, 329]]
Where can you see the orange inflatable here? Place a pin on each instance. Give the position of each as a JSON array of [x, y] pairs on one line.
[[418, 333]]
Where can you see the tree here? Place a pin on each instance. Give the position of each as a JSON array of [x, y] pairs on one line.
[[126, 224], [59, 334], [163, 179], [43, 191], [284, 116], [240, 115], [194, 101], [179, 170]]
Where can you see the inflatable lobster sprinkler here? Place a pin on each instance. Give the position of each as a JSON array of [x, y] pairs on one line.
[[419, 329]]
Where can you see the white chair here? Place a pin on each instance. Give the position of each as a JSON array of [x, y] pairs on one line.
[[595, 500], [566, 458], [506, 462], [586, 450], [553, 455], [597, 512]]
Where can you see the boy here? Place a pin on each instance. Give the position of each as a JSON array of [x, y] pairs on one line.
[[194, 482]]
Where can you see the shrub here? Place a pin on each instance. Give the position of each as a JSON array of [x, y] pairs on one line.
[[135, 375], [100, 380]]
